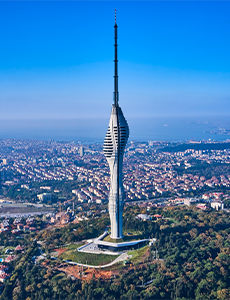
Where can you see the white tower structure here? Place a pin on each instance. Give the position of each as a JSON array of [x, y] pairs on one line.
[[114, 146]]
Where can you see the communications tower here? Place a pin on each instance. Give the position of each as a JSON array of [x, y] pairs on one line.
[[114, 145]]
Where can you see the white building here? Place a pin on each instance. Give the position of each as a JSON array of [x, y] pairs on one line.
[[217, 205]]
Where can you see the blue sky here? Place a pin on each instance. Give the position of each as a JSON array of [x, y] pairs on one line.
[[56, 59]]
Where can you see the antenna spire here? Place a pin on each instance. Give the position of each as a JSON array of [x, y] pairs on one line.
[[116, 95]]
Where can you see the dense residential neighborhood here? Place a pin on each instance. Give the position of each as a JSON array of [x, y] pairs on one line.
[[150, 172]]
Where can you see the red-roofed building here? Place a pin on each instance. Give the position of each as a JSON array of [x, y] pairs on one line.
[[201, 206], [20, 226], [32, 229], [26, 228], [10, 258], [19, 248], [3, 267], [158, 216], [3, 277]]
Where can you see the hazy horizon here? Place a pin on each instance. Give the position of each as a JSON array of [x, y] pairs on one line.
[[142, 129]]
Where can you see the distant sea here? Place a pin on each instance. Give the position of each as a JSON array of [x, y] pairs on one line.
[[141, 129]]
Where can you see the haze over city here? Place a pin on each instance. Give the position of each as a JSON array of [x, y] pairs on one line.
[[57, 65]]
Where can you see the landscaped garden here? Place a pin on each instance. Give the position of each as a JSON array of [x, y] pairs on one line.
[[87, 258], [70, 253]]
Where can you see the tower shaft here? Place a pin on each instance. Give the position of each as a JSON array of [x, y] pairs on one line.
[[114, 146]]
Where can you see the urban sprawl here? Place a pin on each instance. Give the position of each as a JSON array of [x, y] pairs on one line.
[[151, 172]]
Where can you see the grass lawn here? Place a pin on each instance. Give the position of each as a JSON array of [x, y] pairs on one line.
[[138, 254], [133, 232], [74, 246], [3, 250], [58, 276], [58, 251], [87, 258], [109, 239], [173, 221], [128, 236], [8, 247]]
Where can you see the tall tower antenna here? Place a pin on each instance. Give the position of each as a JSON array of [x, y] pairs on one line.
[[116, 94]]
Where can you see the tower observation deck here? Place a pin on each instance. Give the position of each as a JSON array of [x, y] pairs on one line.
[[114, 145]]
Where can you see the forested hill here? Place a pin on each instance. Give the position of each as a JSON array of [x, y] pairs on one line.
[[193, 261]]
